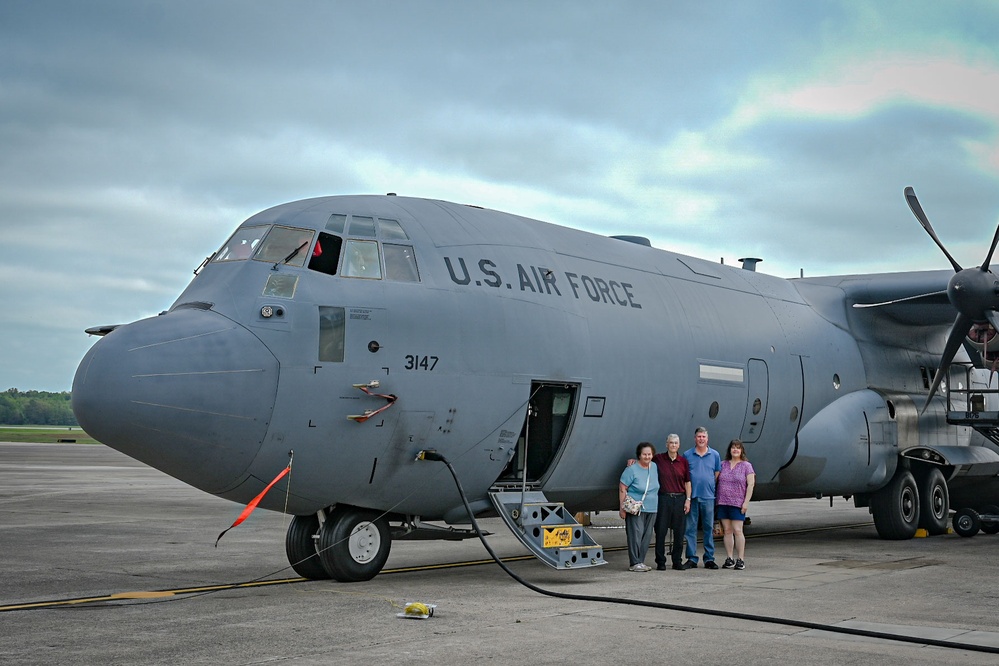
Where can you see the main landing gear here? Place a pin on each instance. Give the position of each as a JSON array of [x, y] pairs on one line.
[[349, 545], [911, 500]]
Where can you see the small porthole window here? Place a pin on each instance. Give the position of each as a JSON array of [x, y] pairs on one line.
[[713, 410], [794, 414], [836, 382], [757, 406]]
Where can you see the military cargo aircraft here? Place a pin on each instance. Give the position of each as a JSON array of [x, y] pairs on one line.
[[355, 332]]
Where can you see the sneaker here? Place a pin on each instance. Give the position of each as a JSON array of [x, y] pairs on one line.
[[740, 565], [690, 564], [729, 563], [710, 564], [635, 567]]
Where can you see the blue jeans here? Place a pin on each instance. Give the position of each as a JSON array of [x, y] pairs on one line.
[[701, 511]]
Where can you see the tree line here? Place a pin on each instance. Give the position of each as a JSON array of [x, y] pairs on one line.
[[36, 408]]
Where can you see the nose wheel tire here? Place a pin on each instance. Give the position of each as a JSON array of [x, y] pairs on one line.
[[301, 548], [354, 544]]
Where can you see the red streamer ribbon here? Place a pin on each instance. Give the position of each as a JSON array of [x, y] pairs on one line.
[[253, 504]]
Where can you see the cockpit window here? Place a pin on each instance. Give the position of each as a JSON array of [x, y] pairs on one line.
[[336, 224], [362, 226], [361, 259], [286, 245], [391, 230], [242, 244], [326, 254], [400, 263]]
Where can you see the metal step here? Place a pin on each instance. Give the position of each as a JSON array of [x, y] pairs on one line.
[[547, 529], [985, 422], [990, 432]]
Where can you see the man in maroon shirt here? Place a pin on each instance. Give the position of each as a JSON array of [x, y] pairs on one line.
[[674, 501]]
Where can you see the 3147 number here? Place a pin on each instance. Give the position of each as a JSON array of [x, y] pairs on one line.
[[418, 362]]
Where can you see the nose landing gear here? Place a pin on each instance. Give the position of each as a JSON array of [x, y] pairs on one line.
[[350, 546]]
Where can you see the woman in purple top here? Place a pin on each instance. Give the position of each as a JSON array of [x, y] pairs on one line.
[[735, 489]]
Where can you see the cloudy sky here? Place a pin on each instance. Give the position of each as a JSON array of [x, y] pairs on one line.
[[135, 136]]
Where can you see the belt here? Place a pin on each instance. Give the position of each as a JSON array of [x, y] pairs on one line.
[[675, 494]]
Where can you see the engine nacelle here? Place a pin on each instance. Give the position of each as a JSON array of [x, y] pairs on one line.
[[849, 447]]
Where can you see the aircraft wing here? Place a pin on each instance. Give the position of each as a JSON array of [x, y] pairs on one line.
[[915, 298]]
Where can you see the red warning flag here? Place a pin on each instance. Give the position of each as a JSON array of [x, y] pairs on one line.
[[253, 504]]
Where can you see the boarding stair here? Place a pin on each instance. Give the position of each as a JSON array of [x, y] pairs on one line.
[[547, 528], [968, 405]]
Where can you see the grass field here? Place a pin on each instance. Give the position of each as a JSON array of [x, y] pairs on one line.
[[45, 434]]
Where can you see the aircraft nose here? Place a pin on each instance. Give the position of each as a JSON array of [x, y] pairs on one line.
[[189, 392]]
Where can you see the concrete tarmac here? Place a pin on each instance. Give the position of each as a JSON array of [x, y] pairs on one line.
[[105, 560]]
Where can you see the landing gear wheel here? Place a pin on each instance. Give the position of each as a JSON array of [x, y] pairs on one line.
[[934, 501], [966, 522], [990, 527], [301, 548], [354, 544], [896, 507]]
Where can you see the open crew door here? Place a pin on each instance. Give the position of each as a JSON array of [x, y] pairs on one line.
[[545, 430], [547, 528]]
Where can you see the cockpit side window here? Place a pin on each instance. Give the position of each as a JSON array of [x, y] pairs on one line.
[[361, 259], [326, 253], [371, 240], [286, 245], [400, 263], [242, 244]]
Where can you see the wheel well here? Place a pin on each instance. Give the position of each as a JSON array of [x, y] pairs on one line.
[[918, 467]]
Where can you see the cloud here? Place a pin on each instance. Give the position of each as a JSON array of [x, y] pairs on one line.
[[134, 137]]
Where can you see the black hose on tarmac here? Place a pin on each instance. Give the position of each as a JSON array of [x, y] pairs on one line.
[[954, 645]]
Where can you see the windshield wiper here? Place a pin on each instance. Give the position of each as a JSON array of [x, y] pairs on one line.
[[291, 255]]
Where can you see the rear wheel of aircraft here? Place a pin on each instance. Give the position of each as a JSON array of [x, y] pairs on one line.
[[301, 548], [934, 501], [990, 527], [354, 544], [966, 522], [896, 507]]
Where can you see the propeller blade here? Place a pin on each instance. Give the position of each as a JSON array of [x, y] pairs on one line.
[[942, 292], [988, 257], [954, 341], [917, 210], [993, 318]]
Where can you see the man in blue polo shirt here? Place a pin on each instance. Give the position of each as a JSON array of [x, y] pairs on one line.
[[705, 465]]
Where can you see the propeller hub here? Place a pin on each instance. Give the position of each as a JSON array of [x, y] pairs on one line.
[[973, 293]]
